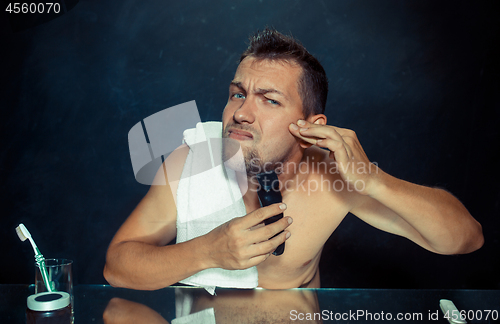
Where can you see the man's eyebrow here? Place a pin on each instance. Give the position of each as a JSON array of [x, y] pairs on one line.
[[259, 90], [236, 84], [264, 91]]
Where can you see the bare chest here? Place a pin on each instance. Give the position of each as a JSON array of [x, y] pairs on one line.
[[315, 217]]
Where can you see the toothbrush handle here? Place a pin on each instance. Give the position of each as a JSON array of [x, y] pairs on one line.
[[43, 270]]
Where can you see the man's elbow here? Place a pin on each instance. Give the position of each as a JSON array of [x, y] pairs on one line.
[[466, 243], [109, 277], [476, 241], [113, 278]]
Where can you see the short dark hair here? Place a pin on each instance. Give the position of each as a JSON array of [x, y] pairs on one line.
[[313, 84]]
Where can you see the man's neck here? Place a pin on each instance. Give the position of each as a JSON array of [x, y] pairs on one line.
[[287, 176], [291, 174]]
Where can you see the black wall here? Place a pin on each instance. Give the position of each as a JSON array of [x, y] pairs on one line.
[[418, 81]]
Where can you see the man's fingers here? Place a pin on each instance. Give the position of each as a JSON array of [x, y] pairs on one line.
[[320, 132], [314, 131], [256, 260], [342, 131], [266, 232], [295, 130], [260, 214], [268, 246], [324, 136], [341, 152]]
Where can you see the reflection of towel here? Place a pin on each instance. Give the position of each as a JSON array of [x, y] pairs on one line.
[[183, 306], [208, 199], [206, 316]]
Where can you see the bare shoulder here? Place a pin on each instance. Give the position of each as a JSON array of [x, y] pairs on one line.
[[153, 221], [173, 167]]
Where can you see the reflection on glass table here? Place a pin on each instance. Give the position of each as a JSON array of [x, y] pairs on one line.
[[105, 304]]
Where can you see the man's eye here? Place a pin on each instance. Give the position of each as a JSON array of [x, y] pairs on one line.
[[273, 102], [239, 96]]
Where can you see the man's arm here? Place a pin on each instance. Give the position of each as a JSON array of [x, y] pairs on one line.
[[431, 217], [139, 258]]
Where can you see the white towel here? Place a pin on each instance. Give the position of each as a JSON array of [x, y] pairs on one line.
[[208, 199]]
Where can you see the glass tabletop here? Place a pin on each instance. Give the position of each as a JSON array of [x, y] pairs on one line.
[[180, 304]]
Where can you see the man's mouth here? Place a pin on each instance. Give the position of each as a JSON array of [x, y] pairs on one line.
[[239, 135]]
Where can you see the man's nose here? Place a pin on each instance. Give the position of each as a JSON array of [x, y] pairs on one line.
[[246, 112]]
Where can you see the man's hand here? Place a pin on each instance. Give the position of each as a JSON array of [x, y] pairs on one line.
[[241, 244], [352, 163]]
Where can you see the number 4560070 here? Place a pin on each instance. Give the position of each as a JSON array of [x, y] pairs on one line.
[[47, 7], [471, 315]]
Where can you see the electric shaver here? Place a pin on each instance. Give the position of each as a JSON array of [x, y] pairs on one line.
[[269, 193]]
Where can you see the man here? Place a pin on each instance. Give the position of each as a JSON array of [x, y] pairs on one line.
[[275, 112]]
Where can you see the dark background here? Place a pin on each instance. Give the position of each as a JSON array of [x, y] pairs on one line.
[[418, 81]]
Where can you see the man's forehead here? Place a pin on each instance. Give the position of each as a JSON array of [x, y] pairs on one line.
[[276, 74], [257, 64]]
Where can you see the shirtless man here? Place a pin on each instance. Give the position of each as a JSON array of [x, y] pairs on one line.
[[275, 111]]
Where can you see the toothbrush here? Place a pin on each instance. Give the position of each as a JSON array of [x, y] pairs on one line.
[[23, 234]]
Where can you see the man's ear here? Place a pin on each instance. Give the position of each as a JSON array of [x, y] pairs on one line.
[[318, 119]]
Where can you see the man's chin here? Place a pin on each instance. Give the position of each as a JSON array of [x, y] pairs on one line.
[[242, 156], [234, 155]]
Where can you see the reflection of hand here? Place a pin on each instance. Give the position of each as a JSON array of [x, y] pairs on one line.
[[240, 244], [343, 144], [121, 311]]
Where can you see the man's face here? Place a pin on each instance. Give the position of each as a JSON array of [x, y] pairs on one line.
[[263, 101]]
